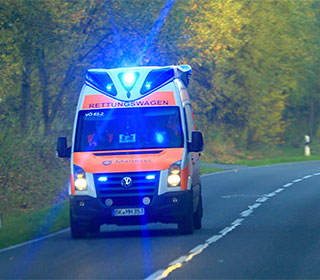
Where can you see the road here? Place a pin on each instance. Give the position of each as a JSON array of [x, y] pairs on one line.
[[259, 222]]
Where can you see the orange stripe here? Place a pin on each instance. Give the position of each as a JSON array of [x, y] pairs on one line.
[[184, 176], [127, 163], [100, 101], [72, 184]]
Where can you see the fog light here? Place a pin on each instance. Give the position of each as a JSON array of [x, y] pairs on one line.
[[175, 200], [108, 202], [146, 200]]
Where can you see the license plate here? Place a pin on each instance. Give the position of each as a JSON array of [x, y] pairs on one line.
[[128, 212]]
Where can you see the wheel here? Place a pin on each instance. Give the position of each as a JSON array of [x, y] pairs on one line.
[[197, 216], [185, 225]]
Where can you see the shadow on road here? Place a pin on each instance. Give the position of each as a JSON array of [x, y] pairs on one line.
[[135, 231]]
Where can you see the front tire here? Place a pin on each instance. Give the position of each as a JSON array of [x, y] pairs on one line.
[[198, 215]]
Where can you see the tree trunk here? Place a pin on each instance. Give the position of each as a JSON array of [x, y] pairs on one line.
[[43, 78], [311, 116], [25, 92]]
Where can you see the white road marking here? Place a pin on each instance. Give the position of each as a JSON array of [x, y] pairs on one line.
[[155, 275], [256, 205], [198, 248], [271, 194], [34, 240], [262, 199], [297, 180], [213, 239], [163, 273], [217, 173], [179, 260], [237, 222], [246, 213], [227, 230]]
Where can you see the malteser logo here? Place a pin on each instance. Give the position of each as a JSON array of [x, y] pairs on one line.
[[107, 162]]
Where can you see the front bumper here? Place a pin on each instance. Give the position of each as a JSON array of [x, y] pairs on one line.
[[166, 208]]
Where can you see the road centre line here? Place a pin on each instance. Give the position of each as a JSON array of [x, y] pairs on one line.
[[178, 263], [297, 180], [262, 199]]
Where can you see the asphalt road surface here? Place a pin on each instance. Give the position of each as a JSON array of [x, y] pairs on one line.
[[259, 222]]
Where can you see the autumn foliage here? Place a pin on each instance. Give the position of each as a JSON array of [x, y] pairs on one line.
[[256, 72]]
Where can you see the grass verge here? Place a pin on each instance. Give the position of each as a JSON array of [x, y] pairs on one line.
[[19, 228], [209, 169], [270, 161]]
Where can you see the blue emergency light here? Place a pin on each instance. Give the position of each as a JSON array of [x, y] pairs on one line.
[[150, 177], [103, 179], [128, 79], [105, 81], [157, 78], [101, 80]]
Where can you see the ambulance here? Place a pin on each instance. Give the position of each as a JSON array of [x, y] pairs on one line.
[[135, 151]]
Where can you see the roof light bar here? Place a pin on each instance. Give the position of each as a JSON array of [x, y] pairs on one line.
[[156, 78], [101, 80], [128, 79]]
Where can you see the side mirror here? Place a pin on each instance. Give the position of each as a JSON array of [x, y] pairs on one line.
[[197, 142], [62, 148]]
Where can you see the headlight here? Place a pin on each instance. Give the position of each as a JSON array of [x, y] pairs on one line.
[[174, 178], [80, 181]]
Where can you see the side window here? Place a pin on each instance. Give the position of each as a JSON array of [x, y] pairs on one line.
[[188, 112]]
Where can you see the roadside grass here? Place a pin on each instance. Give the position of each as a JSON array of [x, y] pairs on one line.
[[208, 169], [259, 155], [17, 228], [270, 161]]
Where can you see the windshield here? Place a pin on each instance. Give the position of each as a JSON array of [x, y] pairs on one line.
[[128, 128]]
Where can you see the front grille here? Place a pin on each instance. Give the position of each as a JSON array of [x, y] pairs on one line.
[[131, 196]]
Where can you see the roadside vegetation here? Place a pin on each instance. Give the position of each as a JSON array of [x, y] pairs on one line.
[[255, 83], [18, 227]]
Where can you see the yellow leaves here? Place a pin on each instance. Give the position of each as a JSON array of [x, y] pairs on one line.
[[213, 27]]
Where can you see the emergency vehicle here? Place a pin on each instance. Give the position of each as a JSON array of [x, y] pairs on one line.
[[135, 151]]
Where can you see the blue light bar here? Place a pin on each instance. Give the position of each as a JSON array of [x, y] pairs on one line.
[[128, 79], [103, 179], [100, 79], [151, 177], [156, 78]]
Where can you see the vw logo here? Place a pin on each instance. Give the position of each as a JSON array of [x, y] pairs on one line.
[[126, 182]]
